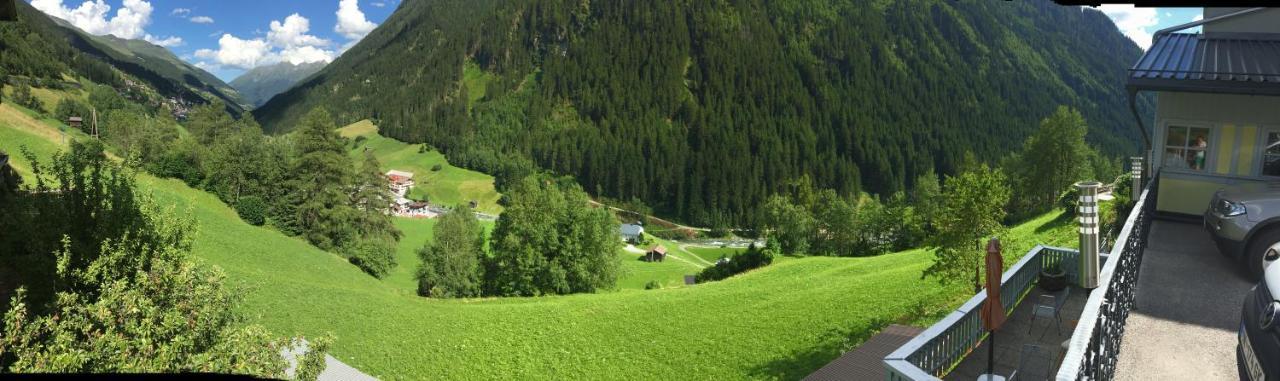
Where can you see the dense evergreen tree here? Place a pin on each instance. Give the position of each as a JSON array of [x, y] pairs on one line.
[[318, 177]]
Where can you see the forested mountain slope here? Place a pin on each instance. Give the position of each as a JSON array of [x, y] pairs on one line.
[[703, 108], [261, 83], [155, 65]]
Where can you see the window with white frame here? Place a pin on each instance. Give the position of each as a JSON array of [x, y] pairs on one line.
[[1186, 147]]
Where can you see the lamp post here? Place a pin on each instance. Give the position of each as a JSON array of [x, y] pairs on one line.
[[1136, 172], [1088, 216]]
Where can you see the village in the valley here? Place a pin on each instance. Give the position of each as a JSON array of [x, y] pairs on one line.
[[401, 182]]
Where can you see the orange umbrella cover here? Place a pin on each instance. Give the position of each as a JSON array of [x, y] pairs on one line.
[[993, 315]]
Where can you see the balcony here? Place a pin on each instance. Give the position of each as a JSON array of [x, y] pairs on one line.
[[1177, 320]]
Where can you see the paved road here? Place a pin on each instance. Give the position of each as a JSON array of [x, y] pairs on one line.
[[334, 370]]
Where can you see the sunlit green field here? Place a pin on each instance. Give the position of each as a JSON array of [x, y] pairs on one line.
[[782, 321], [449, 186]]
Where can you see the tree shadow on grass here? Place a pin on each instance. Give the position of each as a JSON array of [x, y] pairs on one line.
[[1062, 220], [801, 363]]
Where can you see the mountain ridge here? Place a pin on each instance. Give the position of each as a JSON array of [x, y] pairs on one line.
[[261, 83], [655, 102], [156, 65]]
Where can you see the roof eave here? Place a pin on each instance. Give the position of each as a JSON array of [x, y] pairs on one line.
[[1204, 86]]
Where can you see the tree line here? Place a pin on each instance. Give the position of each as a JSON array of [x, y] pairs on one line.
[[952, 214], [548, 240]]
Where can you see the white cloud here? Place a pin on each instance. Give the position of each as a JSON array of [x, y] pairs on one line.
[[167, 42], [351, 21], [287, 41], [1197, 18], [1133, 22], [305, 54], [208, 66], [180, 12], [91, 16], [202, 20], [293, 33], [378, 4], [243, 54]]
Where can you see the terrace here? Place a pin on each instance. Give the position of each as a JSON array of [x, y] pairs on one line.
[[1170, 328]]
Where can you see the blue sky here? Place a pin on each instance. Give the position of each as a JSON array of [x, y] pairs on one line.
[[227, 37], [1140, 23]]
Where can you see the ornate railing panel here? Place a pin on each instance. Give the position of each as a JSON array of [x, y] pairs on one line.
[[945, 344], [1095, 343]]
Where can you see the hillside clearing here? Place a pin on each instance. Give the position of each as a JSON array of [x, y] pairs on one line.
[[448, 186]]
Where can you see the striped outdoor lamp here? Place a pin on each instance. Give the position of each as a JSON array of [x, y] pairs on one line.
[[1136, 172], [1088, 212]]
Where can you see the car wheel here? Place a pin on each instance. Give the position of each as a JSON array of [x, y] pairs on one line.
[[1263, 250]]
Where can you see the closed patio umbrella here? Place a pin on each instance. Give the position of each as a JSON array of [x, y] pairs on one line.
[[992, 314]]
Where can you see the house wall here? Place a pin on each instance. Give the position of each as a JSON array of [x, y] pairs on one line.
[[1237, 124], [1263, 21]]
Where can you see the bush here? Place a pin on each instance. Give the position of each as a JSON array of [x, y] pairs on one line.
[[652, 285], [374, 256], [751, 259], [436, 168], [718, 232], [252, 209], [1069, 199]]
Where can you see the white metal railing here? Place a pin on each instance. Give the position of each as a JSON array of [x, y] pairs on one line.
[[942, 346]]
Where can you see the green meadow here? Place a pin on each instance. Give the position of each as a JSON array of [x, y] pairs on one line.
[[782, 321], [449, 185]]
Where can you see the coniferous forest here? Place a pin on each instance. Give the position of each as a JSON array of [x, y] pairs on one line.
[[703, 109]]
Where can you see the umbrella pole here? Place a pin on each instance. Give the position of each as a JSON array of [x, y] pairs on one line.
[[991, 355]]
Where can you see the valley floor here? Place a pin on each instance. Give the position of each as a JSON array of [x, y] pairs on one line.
[[782, 321]]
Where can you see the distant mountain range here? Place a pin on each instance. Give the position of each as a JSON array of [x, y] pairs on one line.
[[702, 109], [263, 82], [155, 65]]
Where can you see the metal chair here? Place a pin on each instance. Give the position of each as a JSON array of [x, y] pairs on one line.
[[1034, 363], [1049, 306]]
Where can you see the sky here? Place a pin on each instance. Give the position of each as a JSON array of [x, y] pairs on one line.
[[1139, 24], [228, 37]]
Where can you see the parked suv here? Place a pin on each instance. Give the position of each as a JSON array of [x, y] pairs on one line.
[[1258, 352], [1244, 221]]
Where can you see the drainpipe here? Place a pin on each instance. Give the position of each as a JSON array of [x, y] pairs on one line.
[[1142, 130], [1088, 212]]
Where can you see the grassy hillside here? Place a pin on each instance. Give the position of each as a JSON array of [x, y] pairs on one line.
[[448, 186], [782, 321]]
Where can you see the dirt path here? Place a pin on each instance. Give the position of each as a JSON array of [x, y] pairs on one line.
[[685, 249]]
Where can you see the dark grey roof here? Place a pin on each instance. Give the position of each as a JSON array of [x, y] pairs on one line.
[[1235, 64], [630, 229]]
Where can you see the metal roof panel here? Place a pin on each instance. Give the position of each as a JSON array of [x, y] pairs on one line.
[[1189, 60]]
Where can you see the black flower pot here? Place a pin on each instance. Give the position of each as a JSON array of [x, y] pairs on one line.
[[1053, 282]]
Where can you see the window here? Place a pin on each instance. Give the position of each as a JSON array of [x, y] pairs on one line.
[[1187, 148], [1271, 155]]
